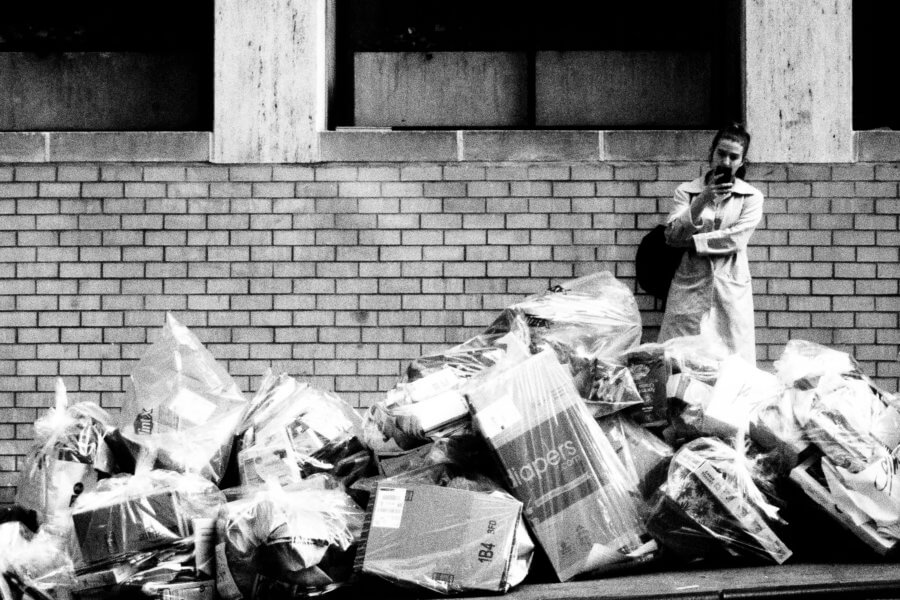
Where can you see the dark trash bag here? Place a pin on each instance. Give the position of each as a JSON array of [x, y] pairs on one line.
[[656, 263]]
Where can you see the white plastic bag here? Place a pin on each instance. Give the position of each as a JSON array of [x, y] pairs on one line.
[[293, 430], [299, 539], [854, 424], [595, 316], [711, 506], [68, 448], [38, 560]]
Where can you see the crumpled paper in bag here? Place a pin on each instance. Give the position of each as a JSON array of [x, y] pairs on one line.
[[293, 430]]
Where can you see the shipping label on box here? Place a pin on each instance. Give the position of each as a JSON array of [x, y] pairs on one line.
[[559, 463], [443, 539]]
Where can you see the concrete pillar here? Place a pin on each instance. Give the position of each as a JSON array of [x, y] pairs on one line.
[[799, 80], [271, 79]]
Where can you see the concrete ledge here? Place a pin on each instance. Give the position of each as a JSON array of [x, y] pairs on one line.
[[125, 146], [542, 145], [656, 145], [513, 145], [22, 147], [390, 146], [875, 146], [407, 146]]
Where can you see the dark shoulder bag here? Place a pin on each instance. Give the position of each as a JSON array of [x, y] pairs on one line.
[[656, 262]]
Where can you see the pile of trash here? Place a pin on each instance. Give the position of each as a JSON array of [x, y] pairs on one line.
[[553, 445]]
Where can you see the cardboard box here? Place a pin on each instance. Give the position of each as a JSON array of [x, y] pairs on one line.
[[813, 485], [133, 525], [443, 539], [560, 464]]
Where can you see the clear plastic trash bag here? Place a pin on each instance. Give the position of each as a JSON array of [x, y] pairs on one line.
[[185, 407]]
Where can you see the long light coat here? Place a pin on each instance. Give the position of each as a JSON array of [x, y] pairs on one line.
[[711, 292]]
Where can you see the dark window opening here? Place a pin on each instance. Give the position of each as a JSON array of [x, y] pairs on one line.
[[99, 65], [530, 64], [874, 52]]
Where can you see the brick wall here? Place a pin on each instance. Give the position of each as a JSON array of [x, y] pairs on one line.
[[340, 273]]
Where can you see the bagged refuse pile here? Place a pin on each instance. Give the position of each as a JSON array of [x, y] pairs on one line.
[[431, 408], [292, 430], [287, 542], [583, 320], [576, 493], [595, 316], [856, 427], [712, 393], [184, 408], [839, 409], [64, 462], [712, 508]]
